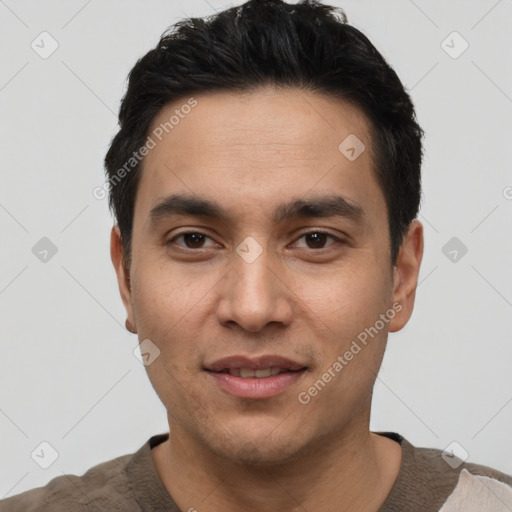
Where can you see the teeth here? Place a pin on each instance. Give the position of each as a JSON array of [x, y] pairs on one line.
[[263, 373], [246, 373]]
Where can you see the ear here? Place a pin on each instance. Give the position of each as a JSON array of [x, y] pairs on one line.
[[123, 275], [405, 275]]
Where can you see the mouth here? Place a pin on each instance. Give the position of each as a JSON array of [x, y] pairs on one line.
[[263, 373], [255, 378]]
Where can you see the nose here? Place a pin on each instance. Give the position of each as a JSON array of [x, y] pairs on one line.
[[254, 295]]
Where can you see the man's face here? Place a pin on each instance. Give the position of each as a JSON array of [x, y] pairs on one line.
[[256, 289]]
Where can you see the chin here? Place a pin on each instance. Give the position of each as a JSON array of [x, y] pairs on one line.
[[263, 455], [262, 446], [257, 454]]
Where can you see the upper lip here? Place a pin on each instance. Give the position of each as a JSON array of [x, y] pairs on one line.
[[254, 363]]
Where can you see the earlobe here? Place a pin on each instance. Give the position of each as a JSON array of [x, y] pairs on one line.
[[130, 327], [405, 274]]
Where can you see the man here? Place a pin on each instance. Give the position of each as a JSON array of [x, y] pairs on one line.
[[265, 182]]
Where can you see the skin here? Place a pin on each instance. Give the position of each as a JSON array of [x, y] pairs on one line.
[[302, 298]]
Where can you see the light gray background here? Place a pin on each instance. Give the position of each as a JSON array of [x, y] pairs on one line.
[[68, 375]]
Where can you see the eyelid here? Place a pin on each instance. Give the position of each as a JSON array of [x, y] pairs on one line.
[[189, 232], [320, 232]]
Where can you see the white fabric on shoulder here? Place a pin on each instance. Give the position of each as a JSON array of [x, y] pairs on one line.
[[475, 493]]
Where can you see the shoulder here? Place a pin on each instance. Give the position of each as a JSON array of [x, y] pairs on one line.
[[105, 485], [443, 466], [479, 493], [434, 480], [470, 486]]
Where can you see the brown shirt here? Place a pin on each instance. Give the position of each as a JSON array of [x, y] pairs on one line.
[[130, 483]]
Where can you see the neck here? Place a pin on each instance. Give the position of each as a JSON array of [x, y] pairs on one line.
[[354, 470]]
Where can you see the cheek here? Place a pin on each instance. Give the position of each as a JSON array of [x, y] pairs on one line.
[[162, 297], [171, 307], [345, 299]]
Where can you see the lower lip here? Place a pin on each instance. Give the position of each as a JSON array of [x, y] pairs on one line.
[[256, 388]]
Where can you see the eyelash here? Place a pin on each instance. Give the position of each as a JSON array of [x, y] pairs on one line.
[[316, 232]]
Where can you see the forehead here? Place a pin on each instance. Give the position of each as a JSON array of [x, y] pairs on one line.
[[280, 119], [260, 145]]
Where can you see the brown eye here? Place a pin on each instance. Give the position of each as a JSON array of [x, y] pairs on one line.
[[191, 240], [317, 239]]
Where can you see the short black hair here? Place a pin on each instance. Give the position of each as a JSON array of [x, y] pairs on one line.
[[307, 45]]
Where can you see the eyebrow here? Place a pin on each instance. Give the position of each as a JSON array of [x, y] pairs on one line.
[[316, 207]]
